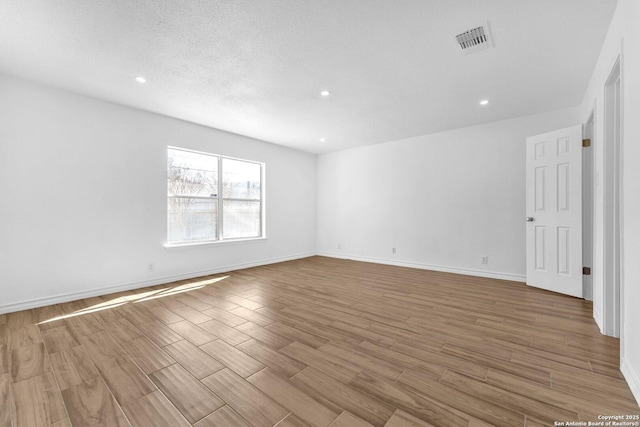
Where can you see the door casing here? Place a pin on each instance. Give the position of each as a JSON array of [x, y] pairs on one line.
[[613, 224]]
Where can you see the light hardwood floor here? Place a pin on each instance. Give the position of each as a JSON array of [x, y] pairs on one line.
[[314, 342]]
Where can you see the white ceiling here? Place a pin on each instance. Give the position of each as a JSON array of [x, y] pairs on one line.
[[256, 67]]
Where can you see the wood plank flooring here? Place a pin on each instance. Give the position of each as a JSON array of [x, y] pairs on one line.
[[312, 342]]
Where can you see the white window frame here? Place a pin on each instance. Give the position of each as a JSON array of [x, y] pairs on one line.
[[219, 196]]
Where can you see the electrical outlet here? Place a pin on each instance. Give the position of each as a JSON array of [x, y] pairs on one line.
[[151, 266], [339, 245], [485, 259], [393, 250]]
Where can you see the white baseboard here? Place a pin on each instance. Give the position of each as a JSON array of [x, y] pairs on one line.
[[632, 378], [597, 316], [456, 270], [56, 299]]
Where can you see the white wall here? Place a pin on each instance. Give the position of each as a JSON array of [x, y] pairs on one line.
[[623, 39], [83, 198], [443, 200]]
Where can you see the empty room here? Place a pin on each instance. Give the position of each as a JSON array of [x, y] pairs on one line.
[[319, 213]]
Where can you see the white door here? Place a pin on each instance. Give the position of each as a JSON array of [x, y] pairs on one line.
[[554, 211]]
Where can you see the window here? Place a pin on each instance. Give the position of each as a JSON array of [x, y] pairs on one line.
[[212, 198]]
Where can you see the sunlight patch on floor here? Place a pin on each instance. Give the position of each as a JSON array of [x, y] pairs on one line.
[[136, 298]]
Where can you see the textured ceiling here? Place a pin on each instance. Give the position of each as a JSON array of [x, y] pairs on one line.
[[257, 67]]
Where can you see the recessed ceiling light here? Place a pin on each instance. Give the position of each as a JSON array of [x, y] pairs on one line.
[[484, 102], [141, 79], [325, 93], [323, 140]]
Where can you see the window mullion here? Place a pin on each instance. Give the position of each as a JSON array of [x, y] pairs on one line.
[[179, 196]]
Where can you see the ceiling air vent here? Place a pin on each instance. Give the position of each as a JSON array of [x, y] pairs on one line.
[[474, 39]]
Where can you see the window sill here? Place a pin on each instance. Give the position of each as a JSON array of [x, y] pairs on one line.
[[230, 242]]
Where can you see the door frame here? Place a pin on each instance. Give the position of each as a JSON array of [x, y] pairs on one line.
[[588, 205], [613, 271]]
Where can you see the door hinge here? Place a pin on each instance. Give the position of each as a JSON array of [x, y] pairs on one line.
[[586, 271], [586, 143]]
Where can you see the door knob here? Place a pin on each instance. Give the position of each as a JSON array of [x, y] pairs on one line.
[[529, 219]]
